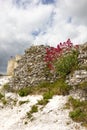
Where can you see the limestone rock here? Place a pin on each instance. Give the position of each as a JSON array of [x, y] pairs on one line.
[[32, 69], [80, 75]]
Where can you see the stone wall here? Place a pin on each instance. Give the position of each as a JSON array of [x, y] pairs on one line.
[[12, 64], [32, 70]]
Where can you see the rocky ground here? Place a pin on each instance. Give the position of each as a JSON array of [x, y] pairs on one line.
[[52, 117]]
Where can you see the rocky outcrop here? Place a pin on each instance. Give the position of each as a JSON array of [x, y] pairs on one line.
[[32, 69], [79, 76], [83, 56]]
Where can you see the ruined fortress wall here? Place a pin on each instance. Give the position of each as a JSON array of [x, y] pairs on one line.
[[12, 64]]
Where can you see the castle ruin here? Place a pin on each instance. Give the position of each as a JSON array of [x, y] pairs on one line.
[[12, 64]]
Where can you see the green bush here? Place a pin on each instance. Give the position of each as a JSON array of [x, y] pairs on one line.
[[77, 115], [48, 95], [29, 115], [1, 96], [79, 112], [67, 63], [58, 87], [75, 102], [34, 109], [4, 101], [43, 102], [25, 91]]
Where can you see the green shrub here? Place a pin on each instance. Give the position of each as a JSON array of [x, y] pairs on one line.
[[34, 109], [1, 96], [43, 102], [4, 101], [67, 63], [29, 115], [39, 89], [79, 112], [75, 102], [25, 91], [77, 115], [48, 95], [60, 87]]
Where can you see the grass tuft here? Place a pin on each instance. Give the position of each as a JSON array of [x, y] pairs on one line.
[[22, 102], [24, 91], [59, 87], [79, 112]]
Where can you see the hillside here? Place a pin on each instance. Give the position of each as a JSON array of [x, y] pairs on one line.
[[32, 70], [43, 96]]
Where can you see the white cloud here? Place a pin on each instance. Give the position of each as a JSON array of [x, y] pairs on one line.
[[18, 23], [62, 28]]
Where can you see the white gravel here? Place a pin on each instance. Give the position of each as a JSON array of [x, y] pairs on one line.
[[52, 117]]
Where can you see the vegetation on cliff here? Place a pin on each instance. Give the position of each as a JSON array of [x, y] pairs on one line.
[[53, 71]]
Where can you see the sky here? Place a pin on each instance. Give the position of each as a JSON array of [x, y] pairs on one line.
[[34, 22]]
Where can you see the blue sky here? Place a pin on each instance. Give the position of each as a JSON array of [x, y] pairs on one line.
[[48, 1], [33, 22]]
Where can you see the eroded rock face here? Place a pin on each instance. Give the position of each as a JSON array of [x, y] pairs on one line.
[[80, 75], [32, 69], [83, 56], [77, 77]]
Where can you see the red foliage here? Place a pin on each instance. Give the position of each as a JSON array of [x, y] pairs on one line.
[[54, 53]]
